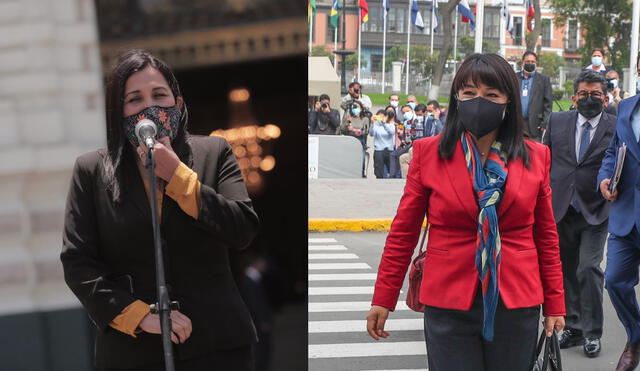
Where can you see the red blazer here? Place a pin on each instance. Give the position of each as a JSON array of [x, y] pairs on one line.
[[530, 269]]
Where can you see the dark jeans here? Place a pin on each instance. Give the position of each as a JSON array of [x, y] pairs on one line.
[[394, 171], [454, 339], [240, 359], [621, 276], [581, 251], [380, 160]]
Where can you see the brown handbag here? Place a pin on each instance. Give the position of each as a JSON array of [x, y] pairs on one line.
[[415, 277]]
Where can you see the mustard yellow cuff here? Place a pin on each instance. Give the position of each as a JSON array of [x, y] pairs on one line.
[[131, 316], [184, 188]]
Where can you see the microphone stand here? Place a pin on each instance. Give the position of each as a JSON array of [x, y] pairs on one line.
[[164, 305]]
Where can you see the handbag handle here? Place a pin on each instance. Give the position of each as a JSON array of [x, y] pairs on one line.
[[551, 351], [424, 235]]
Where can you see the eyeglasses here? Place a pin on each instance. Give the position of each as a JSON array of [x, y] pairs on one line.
[[594, 94]]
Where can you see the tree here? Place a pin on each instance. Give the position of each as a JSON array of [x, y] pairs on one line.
[[447, 46], [421, 59], [603, 24], [532, 37], [352, 62], [321, 51], [466, 45], [551, 63]]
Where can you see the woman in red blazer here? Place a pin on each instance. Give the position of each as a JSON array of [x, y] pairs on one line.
[[492, 251]]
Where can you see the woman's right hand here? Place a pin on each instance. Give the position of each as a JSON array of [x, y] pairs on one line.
[[604, 189], [375, 322], [180, 326]]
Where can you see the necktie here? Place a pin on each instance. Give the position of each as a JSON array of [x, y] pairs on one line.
[[584, 140]]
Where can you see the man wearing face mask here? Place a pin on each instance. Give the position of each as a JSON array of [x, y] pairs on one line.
[[427, 124], [405, 134], [394, 101], [614, 91], [578, 140], [535, 96], [412, 101], [597, 62]]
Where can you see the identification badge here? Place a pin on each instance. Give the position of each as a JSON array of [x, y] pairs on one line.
[[525, 92]]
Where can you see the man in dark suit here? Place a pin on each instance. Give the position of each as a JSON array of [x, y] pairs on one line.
[[624, 227], [578, 140], [535, 95]]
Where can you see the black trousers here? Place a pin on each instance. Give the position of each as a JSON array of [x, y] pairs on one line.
[[380, 159], [454, 339], [237, 359], [581, 251]]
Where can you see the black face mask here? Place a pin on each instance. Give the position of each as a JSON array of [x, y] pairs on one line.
[[589, 107], [480, 116], [529, 67]]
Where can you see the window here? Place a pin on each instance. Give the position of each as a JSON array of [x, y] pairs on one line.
[[491, 25], [546, 32], [517, 31], [376, 62], [396, 21], [331, 31], [572, 35], [374, 24]]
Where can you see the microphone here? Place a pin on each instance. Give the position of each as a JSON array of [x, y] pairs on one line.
[[146, 131]]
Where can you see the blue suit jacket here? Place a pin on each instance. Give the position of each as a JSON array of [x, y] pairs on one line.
[[625, 210]]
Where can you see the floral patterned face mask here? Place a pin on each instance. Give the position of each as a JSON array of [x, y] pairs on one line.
[[167, 119]]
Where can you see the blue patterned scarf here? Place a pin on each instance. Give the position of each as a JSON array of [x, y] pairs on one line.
[[488, 183]]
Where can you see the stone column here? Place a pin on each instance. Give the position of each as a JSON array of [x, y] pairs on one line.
[[396, 76]]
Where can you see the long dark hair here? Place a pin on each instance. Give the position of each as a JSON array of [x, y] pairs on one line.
[[119, 149], [494, 71]]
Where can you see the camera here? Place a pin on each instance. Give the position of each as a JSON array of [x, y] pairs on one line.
[[324, 105], [356, 90], [610, 85]]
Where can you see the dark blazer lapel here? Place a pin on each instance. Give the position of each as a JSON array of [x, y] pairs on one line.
[[136, 193], [570, 132], [456, 169], [626, 132], [511, 189], [601, 129]]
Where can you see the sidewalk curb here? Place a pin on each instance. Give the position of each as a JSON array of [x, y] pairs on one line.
[[350, 225]]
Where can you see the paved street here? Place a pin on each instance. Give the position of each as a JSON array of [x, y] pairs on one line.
[[342, 271]]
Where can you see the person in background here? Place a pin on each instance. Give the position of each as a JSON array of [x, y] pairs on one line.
[[420, 121], [434, 110], [492, 254], [394, 101], [412, 101], [623, 244], [355, 93], [324, 119], [403, 139], [435, 119], [597, 62], [535, 95], [356, 123], [614, 89], [577, 140], [382, 131], [432, 126]]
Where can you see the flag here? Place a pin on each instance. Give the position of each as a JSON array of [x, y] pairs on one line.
[[508, 24], [531, 14], [434, 15], [364, 11], [385, 6], [311, 9], [333, 15], [467, 17], [416, 17]]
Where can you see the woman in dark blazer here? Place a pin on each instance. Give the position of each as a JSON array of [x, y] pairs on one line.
[[108, 251], [492, 252]]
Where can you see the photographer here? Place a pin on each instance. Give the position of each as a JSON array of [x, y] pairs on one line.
[[355, 93], [614, 92], [382, 131], [324, 119], [356, 124]]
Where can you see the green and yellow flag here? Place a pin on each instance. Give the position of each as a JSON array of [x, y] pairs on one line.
[[311, 9], [333, 16]]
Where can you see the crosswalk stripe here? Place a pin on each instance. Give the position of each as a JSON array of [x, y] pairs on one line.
[[410, 324], [343, 277], [322, 240], [317, 266], [333, 256], [327, 247], [348, 290], [347, 306], [402, 348]]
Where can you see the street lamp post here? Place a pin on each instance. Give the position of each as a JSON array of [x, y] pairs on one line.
[[343, 52]]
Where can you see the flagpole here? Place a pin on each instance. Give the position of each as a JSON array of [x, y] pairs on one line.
[[455, 44], [384, 41], [431, 26], [503, 34], [359, 40], [335, 46], [406, 83], [479, 26], [311, 31]]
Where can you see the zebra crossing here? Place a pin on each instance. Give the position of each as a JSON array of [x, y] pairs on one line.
[[340, 291]]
